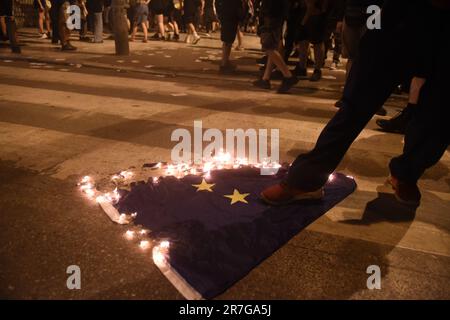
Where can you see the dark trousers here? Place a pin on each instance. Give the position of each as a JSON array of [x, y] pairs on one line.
[[54, 17], [386, 58]]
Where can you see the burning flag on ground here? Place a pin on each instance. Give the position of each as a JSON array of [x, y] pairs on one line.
[[209, 231]]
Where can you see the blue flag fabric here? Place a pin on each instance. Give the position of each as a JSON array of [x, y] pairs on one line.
[[219, 228]]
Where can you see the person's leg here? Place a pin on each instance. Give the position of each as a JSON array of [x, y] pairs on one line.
[[133, 33], [192, 29], [160, 22], [54, 18], [3, 26], [83, 29], [240, 39], [98, 34], [269, 68], [47, 21], [399, 122], [226, 53], [276, 58], [427, 134], [363, 96], [11, 30], [319, 58], [228, 35], [303, 49], [145, 30], [337, 47], [41, 21]]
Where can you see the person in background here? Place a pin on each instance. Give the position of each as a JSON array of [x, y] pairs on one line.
[[54, 20], [230, 12], [190, 9], [312, 30], [95, 8], [295, 16], [157, 8], [173, 14], [64, 32], [43, 8], [272, 17], [84, 17], [210, 16], [8, 25], [140, 19], [333, 32]]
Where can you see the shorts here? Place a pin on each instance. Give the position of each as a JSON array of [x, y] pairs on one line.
[[157, 6], [140, 14], [351, 38], [314, 30], [210, 15], [228, 31], [6, 9], [190, 10], [270, 39]]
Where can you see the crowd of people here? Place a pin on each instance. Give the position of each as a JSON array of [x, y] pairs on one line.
[[378, 64]]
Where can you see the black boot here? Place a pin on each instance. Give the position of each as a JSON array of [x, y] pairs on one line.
[[399, 122]]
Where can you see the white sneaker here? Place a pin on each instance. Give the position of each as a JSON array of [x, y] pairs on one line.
[[196, 39], [43, 36]]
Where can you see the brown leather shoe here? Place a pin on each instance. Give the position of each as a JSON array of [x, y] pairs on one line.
[[281, 194], [406, 193]]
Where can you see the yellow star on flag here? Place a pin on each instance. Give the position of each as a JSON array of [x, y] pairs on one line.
[[237, 197], [204, 186]]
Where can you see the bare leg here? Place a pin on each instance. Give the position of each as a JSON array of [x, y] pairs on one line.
[[160, 21], [303, 54], [133, 34], [277, 59], [319, 55], [268, 70], [240, 39], [226, 53], [192, 29], [414, 91], [144, 29], [41, 22], [47, 21], [3, 26]]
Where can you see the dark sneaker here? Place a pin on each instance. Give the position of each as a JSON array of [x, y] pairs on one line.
[[263, 84], [281, 194], [398, 123], [176, 37], [381, 112], [287, 84], [68, 47], [227, 69], [157, 36], [316, 76], [196, 39], [262, 60], [406, 193], [339, 104], [276, 75], [300, 72]]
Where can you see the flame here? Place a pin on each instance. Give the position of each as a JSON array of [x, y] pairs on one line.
[[144, 244], [129, 234]]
